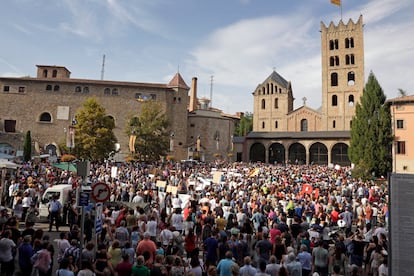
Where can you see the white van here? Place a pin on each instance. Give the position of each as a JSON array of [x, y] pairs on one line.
[[62, 191]]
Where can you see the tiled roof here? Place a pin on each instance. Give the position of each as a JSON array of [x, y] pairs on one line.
[[88, 81], [177, 81], [403, 99], [279, 79]]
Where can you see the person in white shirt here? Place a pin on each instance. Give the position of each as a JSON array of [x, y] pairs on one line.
[[62, 244], [151, 228], [177, 221], [27, 200], [166, 237], [6, 254]]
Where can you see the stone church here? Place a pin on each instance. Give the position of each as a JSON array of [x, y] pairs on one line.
[[304, 135]]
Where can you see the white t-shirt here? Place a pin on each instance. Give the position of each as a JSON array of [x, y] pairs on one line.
[[177, 221], [6, 246], [152, 228]]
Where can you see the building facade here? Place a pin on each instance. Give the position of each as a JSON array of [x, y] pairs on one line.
[[47, 104], [402, 113], [305, 135]]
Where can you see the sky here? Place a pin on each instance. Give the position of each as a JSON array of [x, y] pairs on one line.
[[231, 46]]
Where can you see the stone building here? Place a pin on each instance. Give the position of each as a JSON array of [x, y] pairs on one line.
[[305, 135], [47, 104]]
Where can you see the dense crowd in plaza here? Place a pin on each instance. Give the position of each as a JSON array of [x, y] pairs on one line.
[[220, 219]]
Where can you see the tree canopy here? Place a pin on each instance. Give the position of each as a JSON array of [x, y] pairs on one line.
[[371, 133], [245, 125], [151, 131], [94, 136]]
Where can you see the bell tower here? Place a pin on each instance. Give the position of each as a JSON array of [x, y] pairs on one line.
[[343, 78]]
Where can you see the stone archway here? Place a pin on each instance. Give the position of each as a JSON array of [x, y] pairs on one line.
[[257, 153], [339, 154], [277, 153], [51, 149], [318, 154], [297, 154]]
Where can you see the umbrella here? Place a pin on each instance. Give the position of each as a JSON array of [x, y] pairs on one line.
[[4, 163], [65, 166]]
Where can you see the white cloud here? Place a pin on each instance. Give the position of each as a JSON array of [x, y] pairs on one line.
[[242, 54]]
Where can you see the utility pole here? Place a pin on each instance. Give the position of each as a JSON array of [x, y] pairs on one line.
[[103, 67]]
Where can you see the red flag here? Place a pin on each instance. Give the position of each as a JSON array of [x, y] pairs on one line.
[[336, 2], [307, 189]]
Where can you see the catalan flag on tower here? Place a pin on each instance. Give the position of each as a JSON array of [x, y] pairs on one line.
[[336, 2]]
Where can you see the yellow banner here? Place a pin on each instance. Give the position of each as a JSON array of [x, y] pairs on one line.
[[336, 2]]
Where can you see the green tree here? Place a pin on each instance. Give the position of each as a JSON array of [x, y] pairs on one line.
[[94, 136], [371, 133], [245, 125], [27, 147], [402, 92], [151, 130]]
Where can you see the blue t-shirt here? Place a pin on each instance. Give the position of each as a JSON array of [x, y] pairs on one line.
[[211, 245], [224, 266]]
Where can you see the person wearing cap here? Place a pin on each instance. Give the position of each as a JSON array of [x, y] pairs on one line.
[[147, 245]]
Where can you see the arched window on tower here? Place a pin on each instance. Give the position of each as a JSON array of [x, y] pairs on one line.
[[263, 125], [334, 79], [336, 44], [336, 60], [349, 42], [276, 103], [263, 104], [334, 100], [271, 85], [351, 78], [349, 59], [351, 100], [331, 45], [276, 124], [332, 61], [333, 124], [54, 74], [267, 89], [45, 73], [303, 125]]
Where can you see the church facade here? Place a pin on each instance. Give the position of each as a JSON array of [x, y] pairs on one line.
[[282, 134]]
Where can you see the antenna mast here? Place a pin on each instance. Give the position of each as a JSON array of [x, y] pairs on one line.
[[211, 91], [103, 67]]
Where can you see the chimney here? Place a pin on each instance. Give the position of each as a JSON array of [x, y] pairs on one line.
[[193, 95]]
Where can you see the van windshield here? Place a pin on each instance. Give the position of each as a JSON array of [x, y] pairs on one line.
[[49, 196]]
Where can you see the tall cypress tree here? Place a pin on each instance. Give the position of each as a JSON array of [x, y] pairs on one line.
[[371, 133], [27, 147]]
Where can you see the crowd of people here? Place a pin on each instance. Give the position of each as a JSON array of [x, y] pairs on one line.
[[254, 219]]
